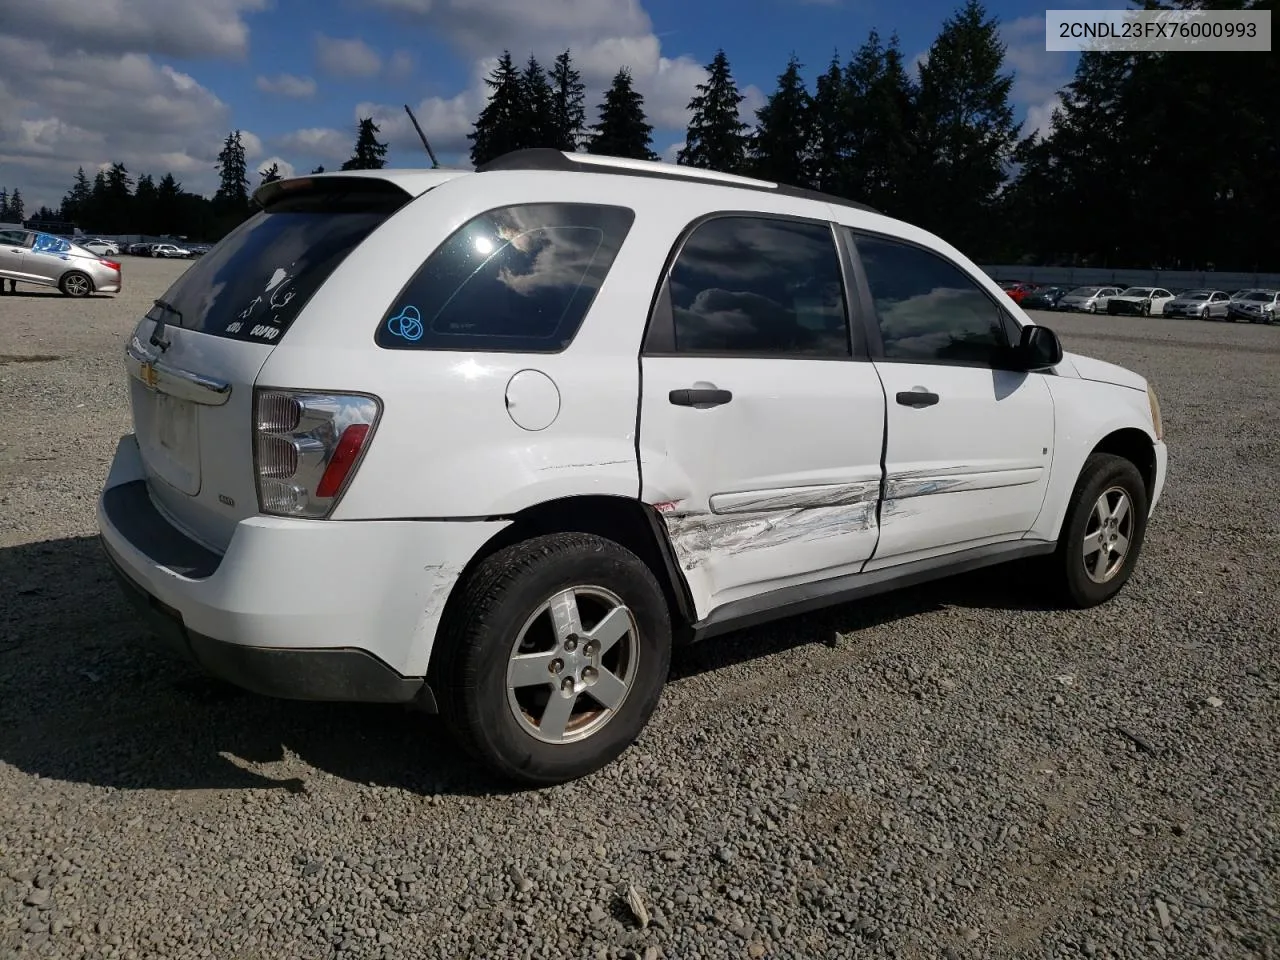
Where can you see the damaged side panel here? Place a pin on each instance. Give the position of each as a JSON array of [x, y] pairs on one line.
[[767, 539]]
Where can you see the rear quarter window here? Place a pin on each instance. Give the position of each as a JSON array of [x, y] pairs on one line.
[[518, 278], [255, 282]]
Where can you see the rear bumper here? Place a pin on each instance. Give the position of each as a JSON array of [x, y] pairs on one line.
[[298, 609]]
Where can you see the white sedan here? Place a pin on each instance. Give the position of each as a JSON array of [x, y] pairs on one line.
[[101, 248]]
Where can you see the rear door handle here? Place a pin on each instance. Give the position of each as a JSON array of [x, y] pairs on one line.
[[917, 398], [699, 397]]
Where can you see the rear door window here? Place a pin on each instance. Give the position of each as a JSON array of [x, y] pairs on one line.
[[253, 284], [518, 278]]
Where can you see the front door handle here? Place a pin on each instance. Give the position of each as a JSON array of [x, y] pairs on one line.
[[699, 397], [917, 398]]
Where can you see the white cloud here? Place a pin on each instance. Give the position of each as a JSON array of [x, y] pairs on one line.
[[604, 35], [1040, 117], [672, 151], [179, 28], [347, 57], [252, 144], [288, 85], [63, 109], [285, 169], [1038, 74], [324, 144]]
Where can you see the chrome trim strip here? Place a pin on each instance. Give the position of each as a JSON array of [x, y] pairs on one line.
[[908, 485], [796, 498], [157, 375]]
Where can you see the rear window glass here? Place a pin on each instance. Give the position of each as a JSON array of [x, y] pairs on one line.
[[253, 284], [518, 278]]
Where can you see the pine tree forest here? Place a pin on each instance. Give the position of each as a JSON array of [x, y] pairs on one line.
[[1112, 181]]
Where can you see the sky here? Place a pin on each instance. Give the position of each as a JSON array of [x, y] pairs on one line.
[[158, 84]]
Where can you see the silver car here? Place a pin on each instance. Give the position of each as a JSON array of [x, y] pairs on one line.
[[29, 256], [1204, 304], [1256, 306], [1088, 299]]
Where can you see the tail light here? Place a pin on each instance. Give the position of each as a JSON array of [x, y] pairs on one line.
[[111, 263], [307, 447]]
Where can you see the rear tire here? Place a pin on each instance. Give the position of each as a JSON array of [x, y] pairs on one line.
[[1108, 512], [75, 284], [553, 657]]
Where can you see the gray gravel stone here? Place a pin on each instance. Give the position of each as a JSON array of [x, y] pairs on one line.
[[902, 777]]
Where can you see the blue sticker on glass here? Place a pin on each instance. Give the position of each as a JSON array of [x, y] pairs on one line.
[[407, 324]]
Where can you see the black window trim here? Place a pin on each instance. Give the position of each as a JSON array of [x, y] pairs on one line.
[[871, 324], [659, 333], [382, 318]]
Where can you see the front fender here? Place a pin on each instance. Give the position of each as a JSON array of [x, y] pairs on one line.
[[1086, 412]]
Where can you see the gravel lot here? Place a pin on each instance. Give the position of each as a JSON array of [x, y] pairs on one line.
[[941, 773]]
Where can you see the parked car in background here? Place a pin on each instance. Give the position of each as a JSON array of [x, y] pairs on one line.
[[29, 256], [170, 251], [141, 249], [103, 248], [1204, 304], [1139, 301], [1043, 298], [1256, 306], [1018, 289], [506, 485], [1087, 299]]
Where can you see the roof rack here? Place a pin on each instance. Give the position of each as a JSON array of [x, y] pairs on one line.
[[548, 158]]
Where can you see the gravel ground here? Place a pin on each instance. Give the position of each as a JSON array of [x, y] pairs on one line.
[[949, 772]]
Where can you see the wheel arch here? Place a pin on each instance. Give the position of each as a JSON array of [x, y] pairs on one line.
[[1135, 446], [626, 521]]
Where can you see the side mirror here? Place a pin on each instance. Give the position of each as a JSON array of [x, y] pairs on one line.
[[1038, 349]]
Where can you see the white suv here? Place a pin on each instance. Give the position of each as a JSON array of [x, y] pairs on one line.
[[491, 442]]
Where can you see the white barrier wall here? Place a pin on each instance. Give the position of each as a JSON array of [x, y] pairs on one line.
[[1170, 279]]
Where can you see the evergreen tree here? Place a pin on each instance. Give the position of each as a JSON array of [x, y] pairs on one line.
[[539, 110], [879, 101], [829, 132], [369, 153], [169, 207], [95, 210], [270, 175], [118, 202], [76, 202], [17, 209], [232, 198], [568, 110], [145, 196], [623, 130], [964, 131], [780, 145], [319, 169], [716, 138], [500, 127], [4, 205]]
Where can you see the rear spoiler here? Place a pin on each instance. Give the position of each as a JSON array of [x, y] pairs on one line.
[[376, 185]]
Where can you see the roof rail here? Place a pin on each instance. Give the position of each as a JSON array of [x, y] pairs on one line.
[[548, 158]]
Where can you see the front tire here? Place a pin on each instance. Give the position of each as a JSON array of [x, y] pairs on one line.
[[553, 657], [1103, 532], [75, 284]]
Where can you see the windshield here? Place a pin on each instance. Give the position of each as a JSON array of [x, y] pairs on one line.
[[1084, 292], [1136, 292], [1258, 295], [1194, 295], [254, 283]]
